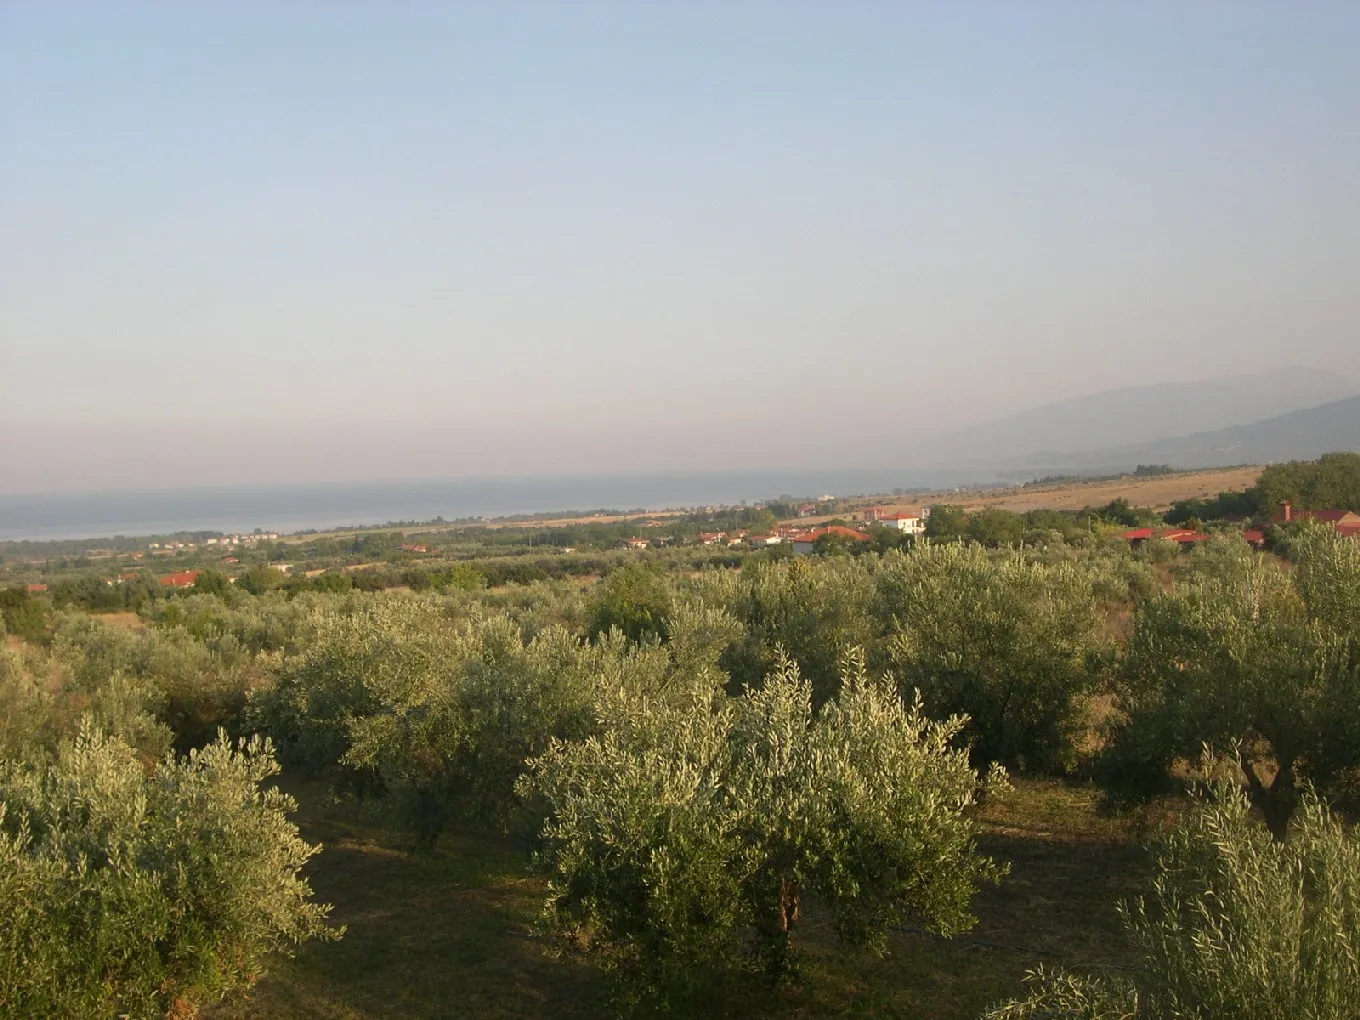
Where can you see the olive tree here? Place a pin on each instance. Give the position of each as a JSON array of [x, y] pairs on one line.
[[1011, 643], [1254, 657], [813, 612], [1239, 926], [133, 893], [695, 827]]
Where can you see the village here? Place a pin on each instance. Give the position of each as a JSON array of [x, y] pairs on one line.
[[803, 540]]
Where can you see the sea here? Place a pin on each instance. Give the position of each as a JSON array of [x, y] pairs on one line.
[[294, 508]]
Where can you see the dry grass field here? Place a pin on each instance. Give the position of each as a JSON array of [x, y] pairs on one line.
[[1158, 492]]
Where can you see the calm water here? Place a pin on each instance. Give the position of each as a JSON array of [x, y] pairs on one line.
[[285, 508]]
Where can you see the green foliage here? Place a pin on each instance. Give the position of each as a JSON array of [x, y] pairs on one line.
[[23, 615], [435, 713], [994, 527], [1123, 513], [92, 593], [688, 834], [130, 893], [1226, 505], [634, 599], [452, 738], [1245, 653], [1331, 482], [212, 582], [1011, 643], [810, 612], [257, 580], [946, 523], [1239, 927], [193, 679], [26, 709]]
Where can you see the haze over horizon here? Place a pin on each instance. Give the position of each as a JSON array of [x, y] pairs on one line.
[[252, 244]]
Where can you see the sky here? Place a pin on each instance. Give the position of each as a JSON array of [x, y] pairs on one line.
[[259, 243]]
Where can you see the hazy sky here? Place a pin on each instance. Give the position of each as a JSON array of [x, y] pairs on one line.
[[323, 241]]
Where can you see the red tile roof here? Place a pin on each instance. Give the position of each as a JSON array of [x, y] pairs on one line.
[[35, 588], [812, 536], [1326, 516], [184, 579], [1181, 535]]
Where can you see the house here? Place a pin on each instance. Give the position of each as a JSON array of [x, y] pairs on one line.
[[802, 545], [1346, 522], [711, 537], [635, 543], [761, 541], [807, 509], [912, 524], [183, 579], [415, 547], [34, 589]]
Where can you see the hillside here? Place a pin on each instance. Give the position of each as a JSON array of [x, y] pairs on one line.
[[1299, 435], [1137, 415]]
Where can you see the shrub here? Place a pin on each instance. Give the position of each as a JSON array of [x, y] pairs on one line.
[[1239, 927], [23, 614], [635, 599], [124, 892]]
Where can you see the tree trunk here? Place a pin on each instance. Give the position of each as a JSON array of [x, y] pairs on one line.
[[1277, 802], [790, 909]]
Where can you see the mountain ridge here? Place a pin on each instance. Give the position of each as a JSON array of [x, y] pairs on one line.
[[1135, 416], [1298, 435]]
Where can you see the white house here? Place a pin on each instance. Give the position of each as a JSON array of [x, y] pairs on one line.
[[912, 524]]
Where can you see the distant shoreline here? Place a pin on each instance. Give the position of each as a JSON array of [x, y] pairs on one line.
[[291, 509], [1069, 494]]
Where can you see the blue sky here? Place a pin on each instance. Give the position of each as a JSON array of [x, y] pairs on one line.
[[315, 242]]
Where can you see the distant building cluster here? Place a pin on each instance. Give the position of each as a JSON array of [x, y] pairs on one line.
[[801, 539], [229, 541], [1346, 523]]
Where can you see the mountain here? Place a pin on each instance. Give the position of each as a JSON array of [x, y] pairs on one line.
[[1137, 415], [1299, 435]]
